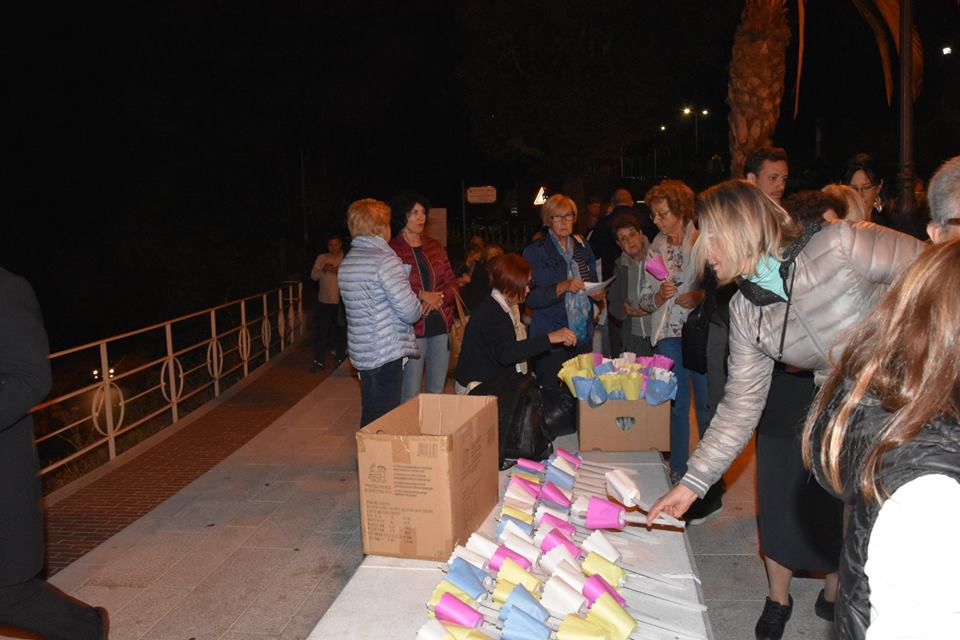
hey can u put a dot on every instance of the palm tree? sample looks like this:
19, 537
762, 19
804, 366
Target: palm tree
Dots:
758, 66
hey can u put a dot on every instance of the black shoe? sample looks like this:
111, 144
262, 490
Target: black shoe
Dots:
317, 366
773, 620
705, 508
824, 608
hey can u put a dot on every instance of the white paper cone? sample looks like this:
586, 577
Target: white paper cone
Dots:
519, 505
553, 558
472, 557
623, 487
519, 496
597, 542
432, 630
521, 546
511, 527
571, 576
560, 599
559, 513
579, 507
563, 465
479, 543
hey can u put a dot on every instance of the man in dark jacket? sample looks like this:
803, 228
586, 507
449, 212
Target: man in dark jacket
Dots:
27, 602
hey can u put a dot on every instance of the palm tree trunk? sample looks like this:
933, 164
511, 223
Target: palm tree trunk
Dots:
757, 72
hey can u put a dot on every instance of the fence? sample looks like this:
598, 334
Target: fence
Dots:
113, 393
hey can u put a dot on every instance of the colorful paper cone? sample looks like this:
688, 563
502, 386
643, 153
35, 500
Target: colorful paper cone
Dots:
450, 609
560, 599
608, 613
603, 514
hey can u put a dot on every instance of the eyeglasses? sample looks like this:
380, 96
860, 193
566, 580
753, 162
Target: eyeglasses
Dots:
566, 217
953, 222
660, 214
866, 187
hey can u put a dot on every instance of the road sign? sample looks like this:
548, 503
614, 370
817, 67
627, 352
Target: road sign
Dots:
482, 195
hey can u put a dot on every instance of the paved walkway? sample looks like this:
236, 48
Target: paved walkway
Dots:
259, 545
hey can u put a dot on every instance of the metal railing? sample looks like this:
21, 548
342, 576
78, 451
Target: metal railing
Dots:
147, 379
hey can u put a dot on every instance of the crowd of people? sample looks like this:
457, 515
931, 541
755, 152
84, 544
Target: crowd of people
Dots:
784, 284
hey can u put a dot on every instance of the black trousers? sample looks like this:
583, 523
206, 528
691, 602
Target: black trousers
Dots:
37, 607
328, 333
380, 390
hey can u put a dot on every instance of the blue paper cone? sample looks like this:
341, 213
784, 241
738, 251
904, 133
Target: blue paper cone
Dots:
526, 528
559, 478
659, 391
524, 600
466, 580
520, 626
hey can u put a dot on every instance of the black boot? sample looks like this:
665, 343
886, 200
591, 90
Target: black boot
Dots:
773, 620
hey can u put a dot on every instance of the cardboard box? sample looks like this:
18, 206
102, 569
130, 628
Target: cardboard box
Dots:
428, 475
647, 427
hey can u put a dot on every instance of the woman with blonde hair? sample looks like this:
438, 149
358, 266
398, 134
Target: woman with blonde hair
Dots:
381, 308
561, 263
854, 204
800, 288
884, 435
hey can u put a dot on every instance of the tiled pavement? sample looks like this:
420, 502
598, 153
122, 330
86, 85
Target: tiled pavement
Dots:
259, 546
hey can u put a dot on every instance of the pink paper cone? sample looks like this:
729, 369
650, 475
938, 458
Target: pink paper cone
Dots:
569, 457
502, 553
532, 489
603, 514
555, 538
553, 521
531, 465
595, 586
449, 609
552, 493
657, 268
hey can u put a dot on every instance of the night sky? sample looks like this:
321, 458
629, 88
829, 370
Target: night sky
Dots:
158, 147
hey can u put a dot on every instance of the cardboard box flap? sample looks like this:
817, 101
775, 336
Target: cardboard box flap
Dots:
444, 414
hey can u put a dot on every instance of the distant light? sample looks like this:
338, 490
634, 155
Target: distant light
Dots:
705, 112
541, 197
663, 127
947, 51
687, 111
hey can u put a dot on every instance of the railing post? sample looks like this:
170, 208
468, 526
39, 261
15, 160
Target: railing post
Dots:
213, 354
107, 399
281, 320
291, 317
244, 339
265, 330
300, 306
171, 378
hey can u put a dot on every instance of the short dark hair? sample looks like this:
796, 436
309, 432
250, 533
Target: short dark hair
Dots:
810, 205
860, 162
510, 273
401, 205
624, 221
757, 157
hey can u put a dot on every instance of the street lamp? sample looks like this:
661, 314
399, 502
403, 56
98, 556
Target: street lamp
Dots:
696, 113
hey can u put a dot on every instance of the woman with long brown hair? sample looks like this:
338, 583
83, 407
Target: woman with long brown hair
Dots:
884, 435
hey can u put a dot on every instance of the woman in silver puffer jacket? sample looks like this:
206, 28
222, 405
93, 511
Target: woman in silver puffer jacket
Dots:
800, 288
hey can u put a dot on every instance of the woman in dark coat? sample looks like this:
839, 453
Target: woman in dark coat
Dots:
495, 342
561, 263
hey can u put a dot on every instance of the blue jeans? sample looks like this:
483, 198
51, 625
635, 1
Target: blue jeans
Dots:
680, 408
380, 390
435, 359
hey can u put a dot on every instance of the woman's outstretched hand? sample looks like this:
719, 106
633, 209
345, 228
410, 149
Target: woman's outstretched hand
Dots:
563, 336
675, 503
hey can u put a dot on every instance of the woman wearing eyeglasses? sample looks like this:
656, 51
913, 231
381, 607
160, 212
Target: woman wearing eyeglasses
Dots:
860, 174
561, 263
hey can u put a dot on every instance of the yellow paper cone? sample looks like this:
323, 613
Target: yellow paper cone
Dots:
611, 382
574, 627
608, 613
464, 633
452, 589
585, 361
512, 572
502, 591
572, 363
595, 563
631, 385
516, 513
566, 374
527, 477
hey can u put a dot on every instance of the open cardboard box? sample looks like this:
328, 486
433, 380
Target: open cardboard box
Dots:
643, 426
428, 475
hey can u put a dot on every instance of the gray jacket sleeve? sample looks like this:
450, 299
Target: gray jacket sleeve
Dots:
877, 253
738, 413
396, 284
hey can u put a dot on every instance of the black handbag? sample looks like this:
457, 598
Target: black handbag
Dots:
521, 421
693, 338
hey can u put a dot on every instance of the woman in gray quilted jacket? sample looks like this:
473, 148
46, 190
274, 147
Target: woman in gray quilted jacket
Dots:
381, 308
800, 288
